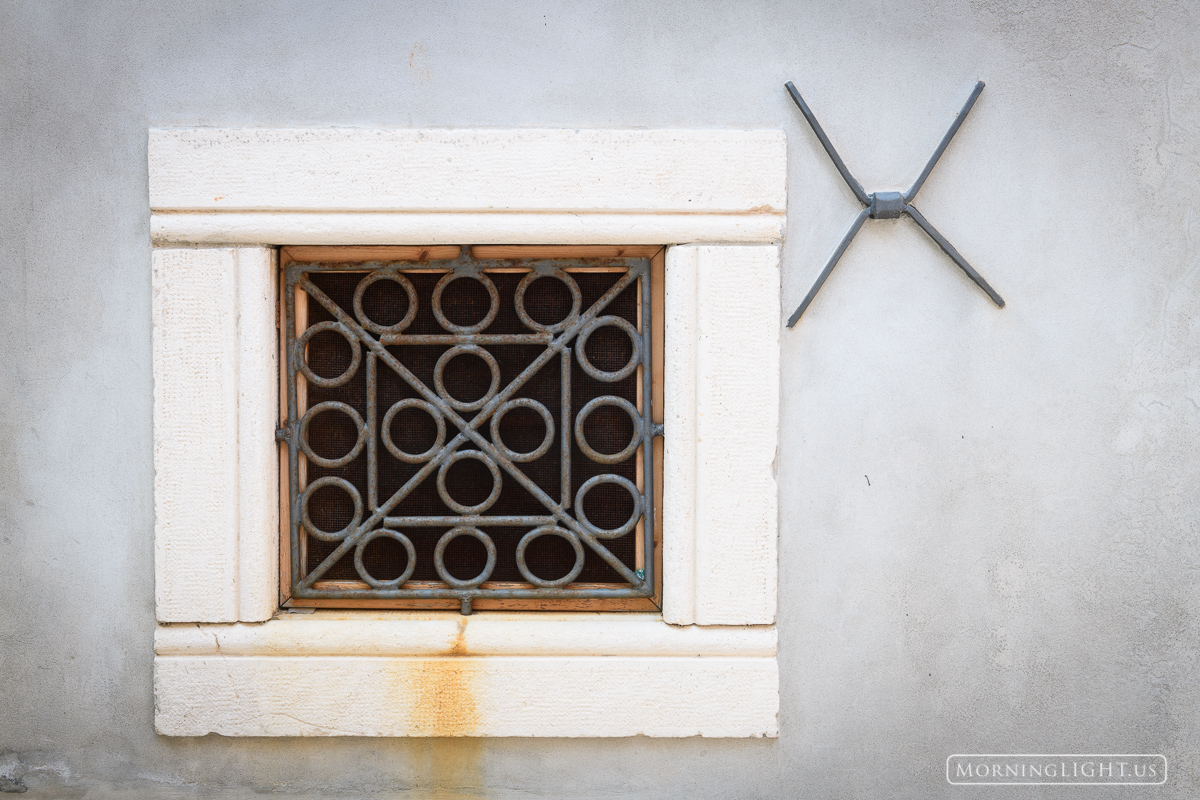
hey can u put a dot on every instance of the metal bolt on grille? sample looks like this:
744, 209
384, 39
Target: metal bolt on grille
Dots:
470, 429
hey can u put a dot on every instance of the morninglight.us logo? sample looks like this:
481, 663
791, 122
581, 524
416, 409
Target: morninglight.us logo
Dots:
1043, 769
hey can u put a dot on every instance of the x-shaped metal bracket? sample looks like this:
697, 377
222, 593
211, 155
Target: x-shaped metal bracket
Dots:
888, 205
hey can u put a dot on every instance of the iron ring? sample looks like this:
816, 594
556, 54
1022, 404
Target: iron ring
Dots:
458, 350
635, 339
576, 301
330, 480
312, 377
332, 405
624, 405
404, 283
395, 583
549, 530
497, 482
439, 554
493, 307
542, 449
428, 408
608, 533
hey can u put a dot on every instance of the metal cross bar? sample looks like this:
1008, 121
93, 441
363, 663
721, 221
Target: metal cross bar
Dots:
888, 205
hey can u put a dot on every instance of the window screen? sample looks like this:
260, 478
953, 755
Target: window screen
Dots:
472, 433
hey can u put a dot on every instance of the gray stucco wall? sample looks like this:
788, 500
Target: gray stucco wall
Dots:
1019, 574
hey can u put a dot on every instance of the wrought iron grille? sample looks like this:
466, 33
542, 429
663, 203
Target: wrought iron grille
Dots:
470, 429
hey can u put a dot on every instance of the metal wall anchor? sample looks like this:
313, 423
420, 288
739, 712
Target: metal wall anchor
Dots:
888, 205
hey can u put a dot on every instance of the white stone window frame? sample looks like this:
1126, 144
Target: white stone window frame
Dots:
227, 661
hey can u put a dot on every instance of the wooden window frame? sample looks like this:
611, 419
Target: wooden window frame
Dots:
420, 253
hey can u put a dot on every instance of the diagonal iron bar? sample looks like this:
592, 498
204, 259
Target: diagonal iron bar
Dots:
888, 205
949, 250
958, 121
850, 180
833, 260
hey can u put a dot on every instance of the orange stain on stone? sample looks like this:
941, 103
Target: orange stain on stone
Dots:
440, 695
440, 692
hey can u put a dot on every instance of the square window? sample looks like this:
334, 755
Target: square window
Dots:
466, 427
224, 201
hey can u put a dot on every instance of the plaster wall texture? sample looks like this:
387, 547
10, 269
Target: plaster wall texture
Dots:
988, 519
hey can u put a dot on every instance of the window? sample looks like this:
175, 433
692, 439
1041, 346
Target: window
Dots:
466, 427
228, 660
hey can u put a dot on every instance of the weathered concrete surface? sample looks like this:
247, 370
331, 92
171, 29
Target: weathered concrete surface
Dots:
1019, 574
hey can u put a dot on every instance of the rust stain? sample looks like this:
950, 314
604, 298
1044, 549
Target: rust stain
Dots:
418, 63
440, 693
459, 646
454, 769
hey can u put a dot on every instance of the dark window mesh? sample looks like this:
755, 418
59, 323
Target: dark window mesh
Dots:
464, 302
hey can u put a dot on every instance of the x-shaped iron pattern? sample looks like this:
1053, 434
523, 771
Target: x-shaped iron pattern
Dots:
557, 520
888, 205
